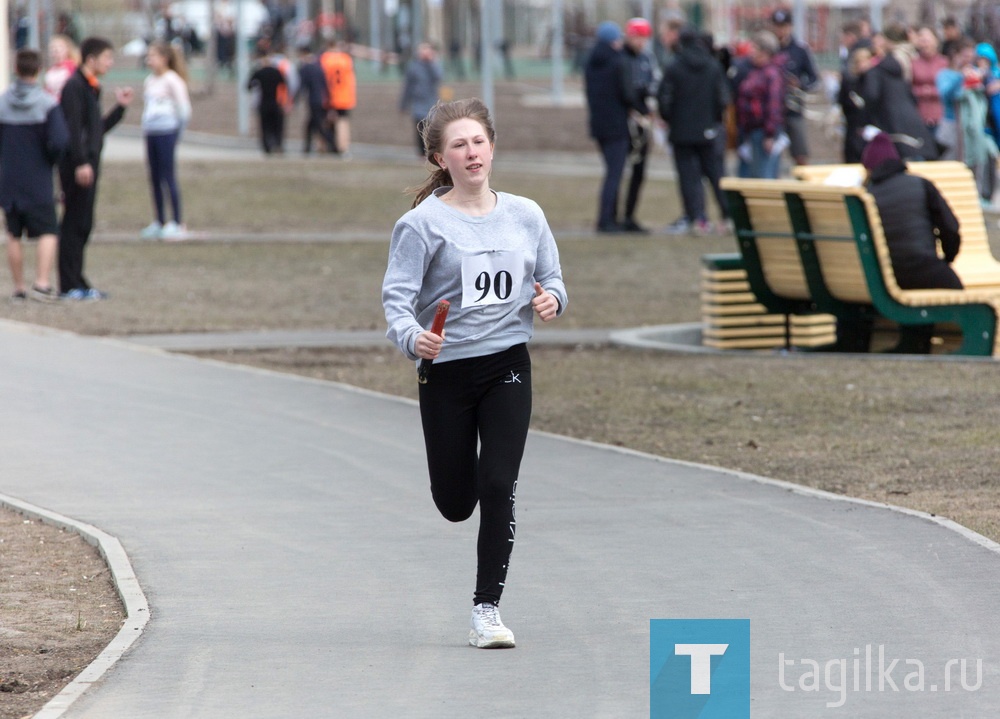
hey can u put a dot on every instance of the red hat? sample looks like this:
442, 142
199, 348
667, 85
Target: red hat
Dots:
878, 151
638, 27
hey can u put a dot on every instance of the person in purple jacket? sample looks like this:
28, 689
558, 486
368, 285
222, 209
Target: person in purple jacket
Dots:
33, 135
760, 111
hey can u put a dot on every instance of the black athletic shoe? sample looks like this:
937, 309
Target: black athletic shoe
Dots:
631, 225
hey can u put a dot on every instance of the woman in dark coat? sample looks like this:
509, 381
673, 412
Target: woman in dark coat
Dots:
853, 105
888, 95
914, 217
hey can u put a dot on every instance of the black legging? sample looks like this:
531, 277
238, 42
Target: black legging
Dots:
482, 402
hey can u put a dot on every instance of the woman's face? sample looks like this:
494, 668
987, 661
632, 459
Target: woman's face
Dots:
927, 42
58, 51
155, 60
466, 153
760, 56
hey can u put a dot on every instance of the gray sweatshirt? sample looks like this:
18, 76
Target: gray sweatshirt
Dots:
486, 267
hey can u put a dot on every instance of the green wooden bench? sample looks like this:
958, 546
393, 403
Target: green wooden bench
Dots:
824, 246
844, 229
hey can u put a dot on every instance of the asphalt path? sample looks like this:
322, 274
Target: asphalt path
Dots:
283, 532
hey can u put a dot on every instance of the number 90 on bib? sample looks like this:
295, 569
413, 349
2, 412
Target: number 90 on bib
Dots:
492, 278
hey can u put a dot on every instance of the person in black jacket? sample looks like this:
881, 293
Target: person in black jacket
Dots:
79, 168
606, 79
692, 97
852, 103
313, 87
269, 83
888, 95
32, 137
914, 217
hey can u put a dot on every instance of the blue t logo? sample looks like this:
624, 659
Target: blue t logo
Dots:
699, 669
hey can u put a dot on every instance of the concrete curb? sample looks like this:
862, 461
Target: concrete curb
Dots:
685, 338
127, 585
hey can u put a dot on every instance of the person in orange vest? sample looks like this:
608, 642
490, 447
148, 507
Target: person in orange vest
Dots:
338, 67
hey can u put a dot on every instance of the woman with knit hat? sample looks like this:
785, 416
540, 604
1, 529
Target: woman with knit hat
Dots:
914, 217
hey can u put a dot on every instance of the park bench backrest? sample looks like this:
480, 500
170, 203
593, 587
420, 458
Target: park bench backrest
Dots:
832, 237
764, 201
975, 263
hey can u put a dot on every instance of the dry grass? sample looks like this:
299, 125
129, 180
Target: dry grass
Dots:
919, 434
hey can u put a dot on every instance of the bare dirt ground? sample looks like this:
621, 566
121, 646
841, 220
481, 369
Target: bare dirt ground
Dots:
58, 610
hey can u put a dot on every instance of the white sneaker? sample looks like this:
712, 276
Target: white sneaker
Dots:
488, 631
173, 231
151, 231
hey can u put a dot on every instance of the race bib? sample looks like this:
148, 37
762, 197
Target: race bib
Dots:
492, 278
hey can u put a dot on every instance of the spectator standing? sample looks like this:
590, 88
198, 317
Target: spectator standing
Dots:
760, 110
32, 137
63, 61
851, 40
338, 66
852, 103
475, 405
312, 87
800, 77
421, 87
79, 168
926, 65
269, 85
915, 218
952, 33
963, 94
640, 81
888, 94
225, 44
986, 60
66, 24
605, 77
692, 96
667, 38
166, 112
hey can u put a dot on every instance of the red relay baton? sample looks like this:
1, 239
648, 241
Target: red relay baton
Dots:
437, 327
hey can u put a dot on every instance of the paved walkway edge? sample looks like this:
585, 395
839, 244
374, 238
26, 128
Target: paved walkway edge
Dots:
944, 522
127, 585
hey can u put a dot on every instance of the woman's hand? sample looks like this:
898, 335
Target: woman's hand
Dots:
545, 303
428, 345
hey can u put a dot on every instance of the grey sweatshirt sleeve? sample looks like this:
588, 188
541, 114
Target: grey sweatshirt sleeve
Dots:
548, 271
408, 258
